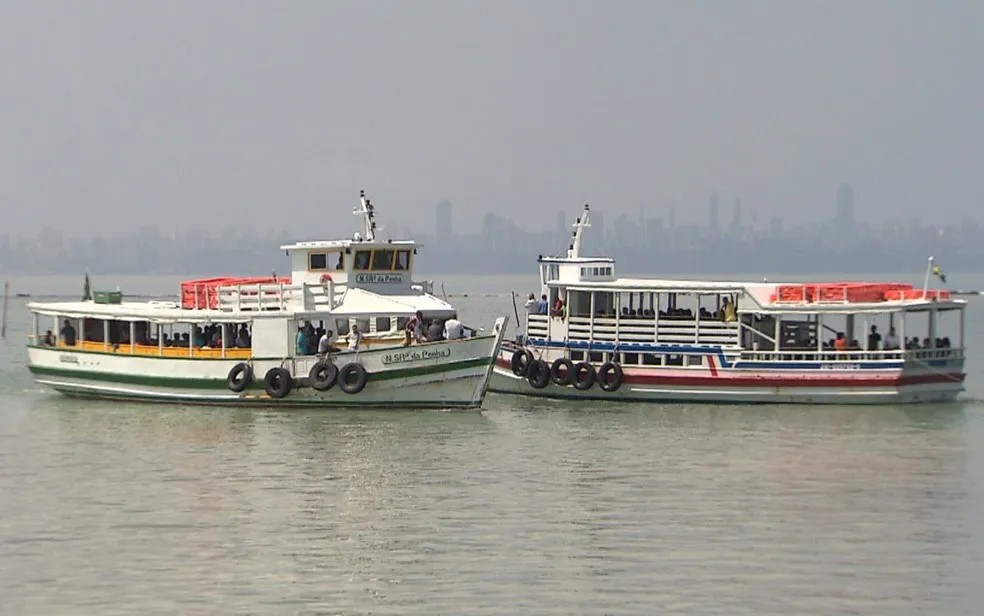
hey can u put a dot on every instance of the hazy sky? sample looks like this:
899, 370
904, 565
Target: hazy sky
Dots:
275, 114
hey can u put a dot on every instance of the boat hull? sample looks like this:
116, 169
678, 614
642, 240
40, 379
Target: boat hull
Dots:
919, 383
448, 374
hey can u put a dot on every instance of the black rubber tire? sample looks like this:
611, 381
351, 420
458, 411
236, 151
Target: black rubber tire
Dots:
584, 376
361, 378
237, 384
565, 378
603, 381
538, 374
323, 375
521, 361
278, 383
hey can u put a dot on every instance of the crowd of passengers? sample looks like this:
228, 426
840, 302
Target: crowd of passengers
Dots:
726, 313
840, 343
208, 337
320, 341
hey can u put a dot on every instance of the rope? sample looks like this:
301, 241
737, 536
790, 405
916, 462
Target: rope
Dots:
936, 370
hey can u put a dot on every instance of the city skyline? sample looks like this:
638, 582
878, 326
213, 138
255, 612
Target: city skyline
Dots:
646, 242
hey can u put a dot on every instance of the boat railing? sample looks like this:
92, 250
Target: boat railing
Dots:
840, 358
270, 296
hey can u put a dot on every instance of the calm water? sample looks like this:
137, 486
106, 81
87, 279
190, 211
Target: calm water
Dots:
525, 508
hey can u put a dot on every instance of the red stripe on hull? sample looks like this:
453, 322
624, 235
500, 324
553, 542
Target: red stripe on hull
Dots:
737, 379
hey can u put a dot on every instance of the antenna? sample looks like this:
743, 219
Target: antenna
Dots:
579, 225
366, 210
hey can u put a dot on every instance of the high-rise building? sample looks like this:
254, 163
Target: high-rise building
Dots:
444, 226
713, 220
845, 207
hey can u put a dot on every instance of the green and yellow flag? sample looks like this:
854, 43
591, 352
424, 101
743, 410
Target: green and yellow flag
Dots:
939, 273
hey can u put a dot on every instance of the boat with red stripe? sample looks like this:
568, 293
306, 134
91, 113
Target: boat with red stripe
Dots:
593, 335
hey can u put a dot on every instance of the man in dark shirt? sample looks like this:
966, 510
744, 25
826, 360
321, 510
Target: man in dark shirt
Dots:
874, 338
435, 331
68, 334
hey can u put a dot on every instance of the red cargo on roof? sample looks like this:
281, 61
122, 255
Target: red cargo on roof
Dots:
203, 293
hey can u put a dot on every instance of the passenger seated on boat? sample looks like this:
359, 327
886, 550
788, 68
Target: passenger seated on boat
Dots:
891, 341
840, 342
531, 304
68, 334
48, 339
302, 343
326, 344
560, 308
435, 331
453, 329
242, 338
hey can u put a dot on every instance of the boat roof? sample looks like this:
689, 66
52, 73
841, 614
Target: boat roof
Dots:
355, 303
307, 245
758, 290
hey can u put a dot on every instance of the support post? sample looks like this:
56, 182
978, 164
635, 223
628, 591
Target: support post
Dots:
3, 317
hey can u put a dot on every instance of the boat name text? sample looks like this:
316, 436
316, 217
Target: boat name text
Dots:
379, 278
416, 355
68, 359
840, 366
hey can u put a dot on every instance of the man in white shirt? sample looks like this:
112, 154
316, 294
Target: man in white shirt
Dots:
453, 329
354, 338
891, 340
325, 345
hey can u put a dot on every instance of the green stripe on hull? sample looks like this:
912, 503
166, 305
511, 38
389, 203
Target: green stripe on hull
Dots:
347, 402
220, 384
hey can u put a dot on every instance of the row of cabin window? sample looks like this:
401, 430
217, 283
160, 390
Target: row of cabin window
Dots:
596, 271
639, 359
380, 260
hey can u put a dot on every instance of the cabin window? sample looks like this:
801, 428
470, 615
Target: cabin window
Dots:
342, 327
317, 261
595, 356
695, 360
382, 260
652, 359
577, 355
383, 324
363, 325
401, 323
362, 258
336, 260
630, 358
402, 260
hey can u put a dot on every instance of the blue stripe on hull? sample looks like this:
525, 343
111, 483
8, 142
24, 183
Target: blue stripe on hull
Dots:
718, 352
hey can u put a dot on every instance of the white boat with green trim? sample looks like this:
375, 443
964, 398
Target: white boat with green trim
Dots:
255, 341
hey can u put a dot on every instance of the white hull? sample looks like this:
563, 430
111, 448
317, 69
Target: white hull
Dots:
447, 374
913, 383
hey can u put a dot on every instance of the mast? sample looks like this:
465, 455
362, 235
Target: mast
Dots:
365, 210
574, 251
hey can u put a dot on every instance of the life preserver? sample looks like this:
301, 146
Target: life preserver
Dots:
521, 361
584, 376
240, 377
361, 377
603, 371
538, 374
277, 382
323, 375
557, 376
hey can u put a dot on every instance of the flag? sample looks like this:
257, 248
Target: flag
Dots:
939, 273
86, 288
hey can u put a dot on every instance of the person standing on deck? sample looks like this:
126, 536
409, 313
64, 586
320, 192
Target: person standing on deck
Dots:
354, 339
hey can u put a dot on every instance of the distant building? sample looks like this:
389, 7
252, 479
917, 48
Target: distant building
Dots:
444, 224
